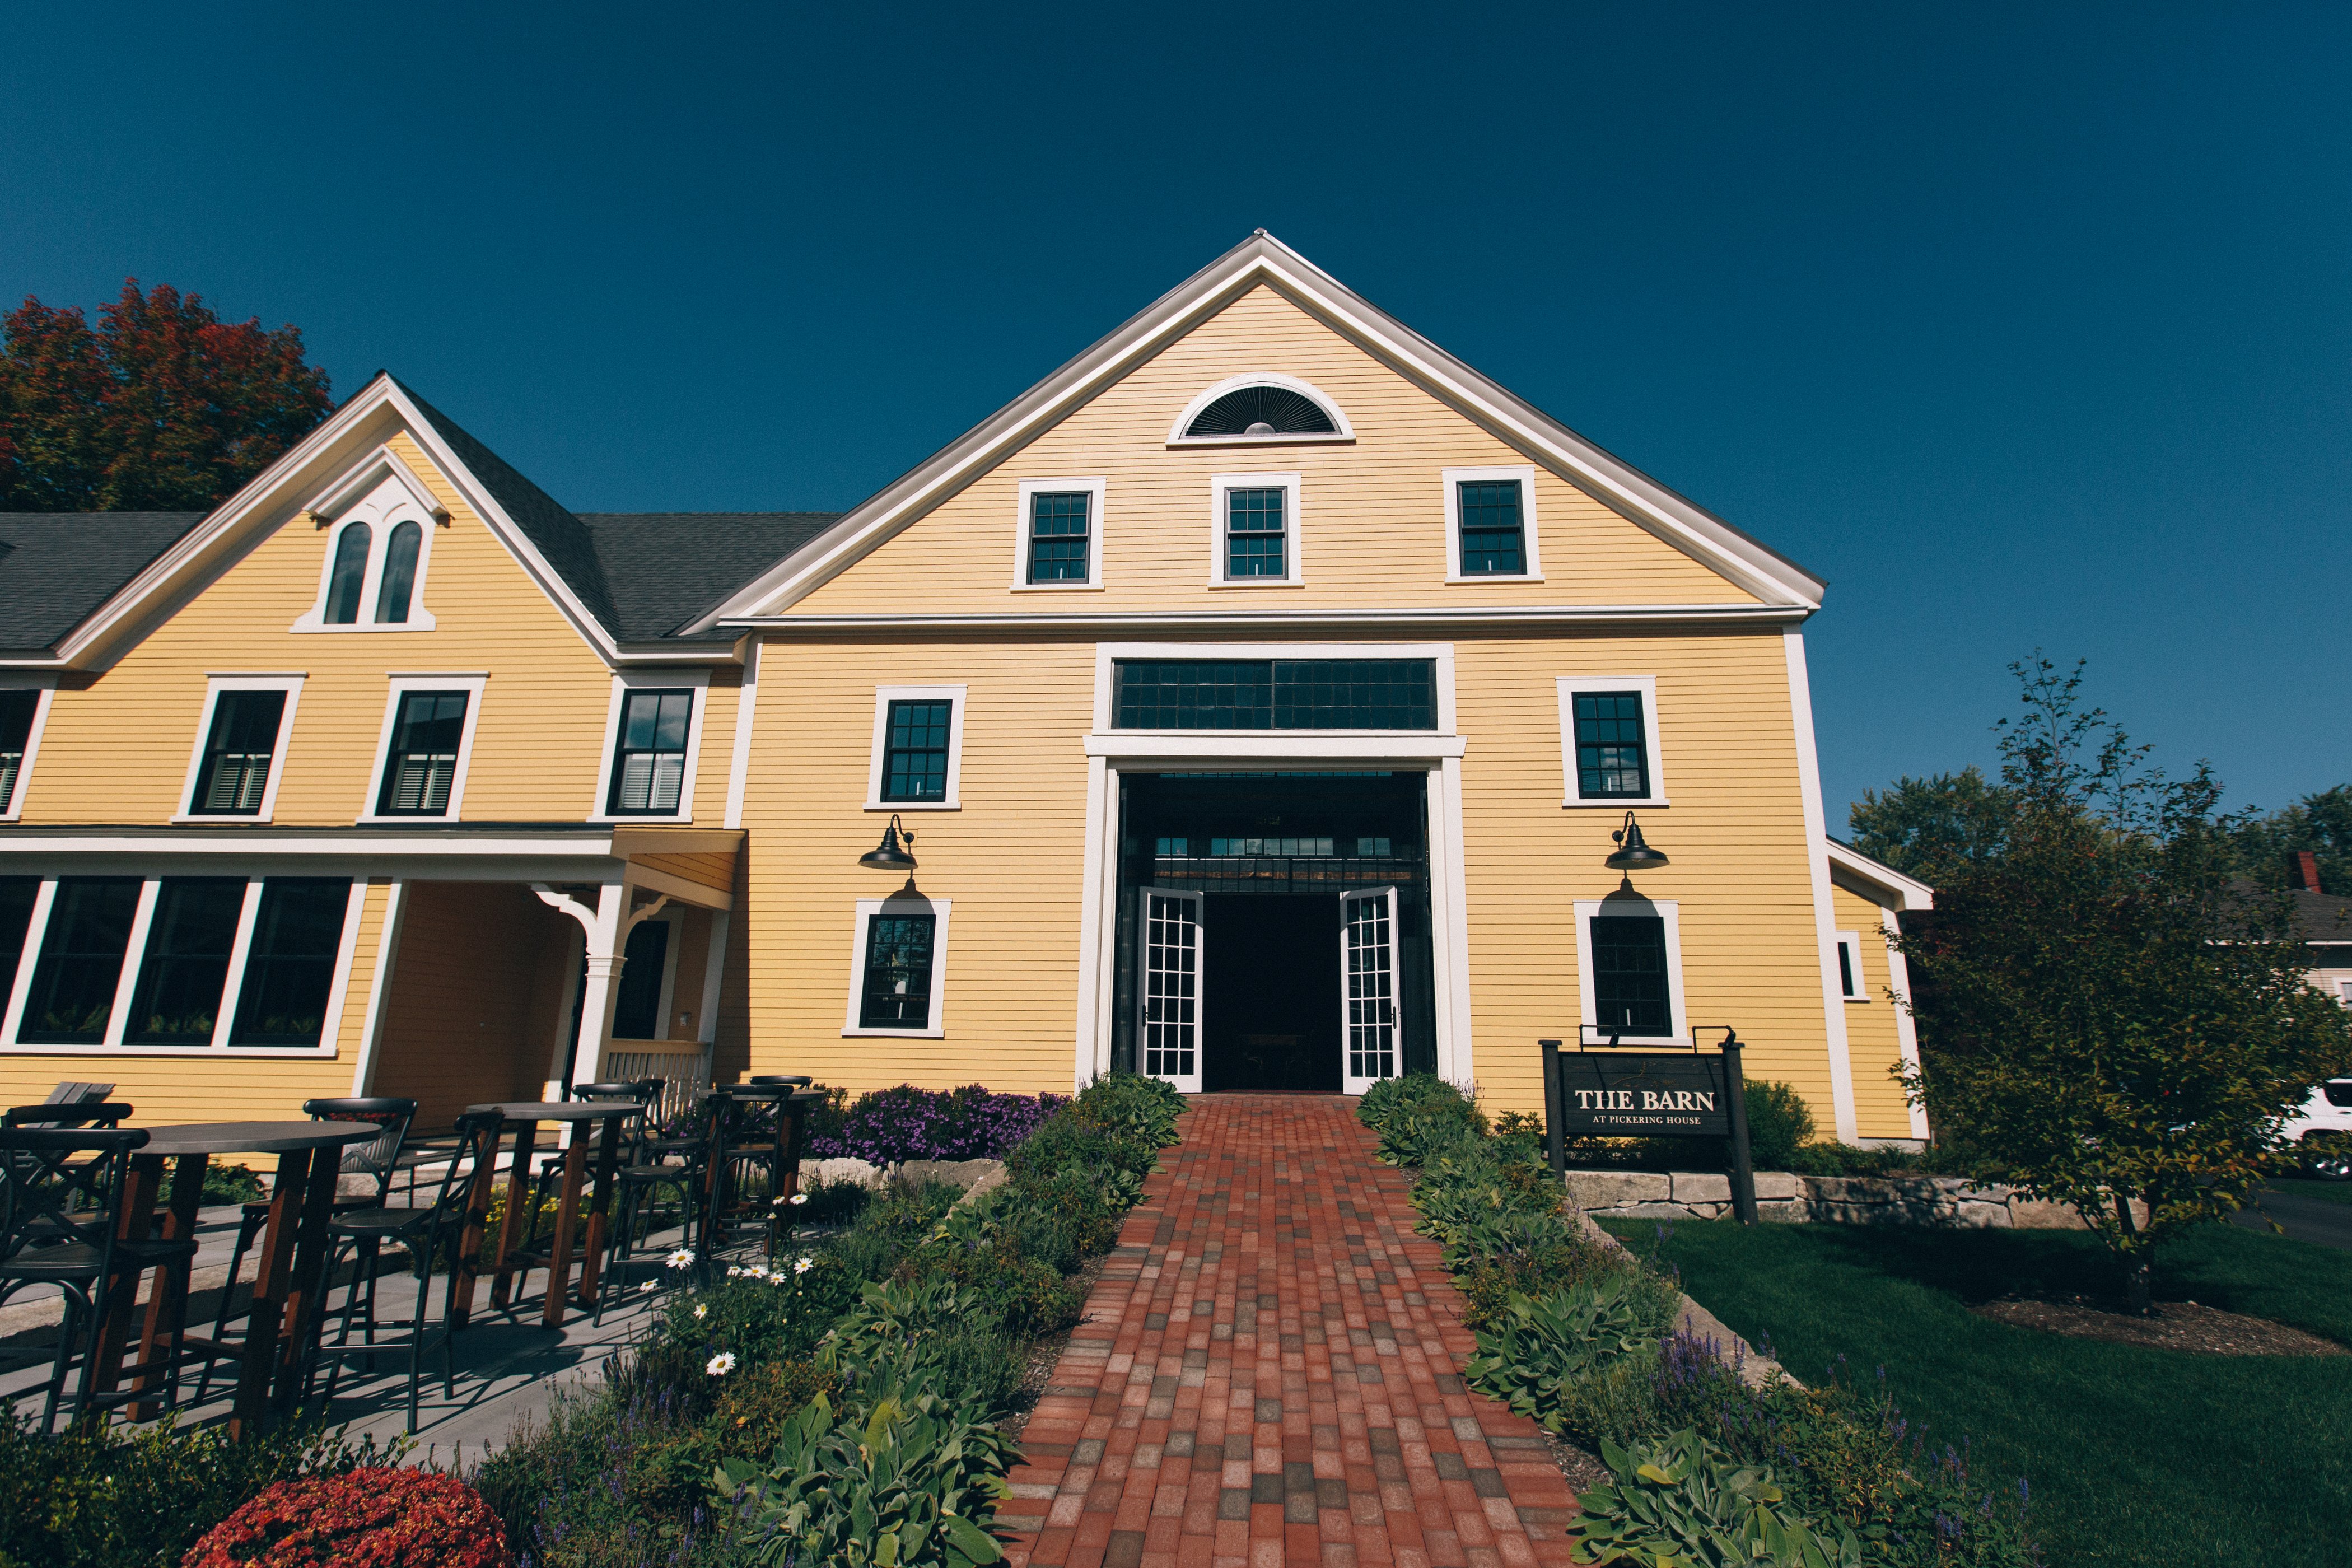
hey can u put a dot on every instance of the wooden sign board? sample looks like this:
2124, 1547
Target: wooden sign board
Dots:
1642, 1094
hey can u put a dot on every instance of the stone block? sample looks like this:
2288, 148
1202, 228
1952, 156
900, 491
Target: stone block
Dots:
835, 1171
2033, 1214
1609, 1189
1701, 1186
1650, 1210
1777, 1185
954, 1172
1781, 1211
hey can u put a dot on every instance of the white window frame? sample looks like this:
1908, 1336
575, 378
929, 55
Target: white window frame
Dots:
1293, 505
624, 682
214, 685
866, 910
134, 954
1342, 430
883, 697
1096, 489
472, 685
1455, 478
13, 808
382, 494
1647, 684
1850, 943
1590, 910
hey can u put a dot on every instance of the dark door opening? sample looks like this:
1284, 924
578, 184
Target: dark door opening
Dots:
1270, 1011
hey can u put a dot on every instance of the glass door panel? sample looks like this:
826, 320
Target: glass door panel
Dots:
1168, 1027
1368, 988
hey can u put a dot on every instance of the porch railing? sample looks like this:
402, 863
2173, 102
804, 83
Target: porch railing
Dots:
683, 1066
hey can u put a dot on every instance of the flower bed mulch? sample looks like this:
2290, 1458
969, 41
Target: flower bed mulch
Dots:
2175, 1326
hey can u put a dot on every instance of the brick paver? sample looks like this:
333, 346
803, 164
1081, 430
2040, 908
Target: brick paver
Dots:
1268, 1372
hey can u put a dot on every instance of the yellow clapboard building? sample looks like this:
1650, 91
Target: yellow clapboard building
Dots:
1251, 702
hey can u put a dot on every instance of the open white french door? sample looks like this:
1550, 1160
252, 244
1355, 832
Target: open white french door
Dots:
1369, 1046
1167, 1002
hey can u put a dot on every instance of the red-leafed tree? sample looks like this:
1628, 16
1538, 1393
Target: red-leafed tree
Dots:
162, 406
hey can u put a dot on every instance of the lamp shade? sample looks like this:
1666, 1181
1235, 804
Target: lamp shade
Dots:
890, 855
1633, 854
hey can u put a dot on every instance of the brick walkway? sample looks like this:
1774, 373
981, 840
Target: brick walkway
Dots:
1268, 1372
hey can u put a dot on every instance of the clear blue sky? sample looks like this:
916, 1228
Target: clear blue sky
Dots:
2026, 326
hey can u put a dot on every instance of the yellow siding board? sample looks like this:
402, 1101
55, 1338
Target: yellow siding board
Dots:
1871, 1041
708, 870
1372, 511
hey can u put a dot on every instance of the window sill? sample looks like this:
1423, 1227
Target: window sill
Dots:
894, 1034
654, 818
418, 621
1500, 577
22, 1049
1258, 583
1617, 803
220, 819
1071, 587
914, 806
1633, 1042
407, 819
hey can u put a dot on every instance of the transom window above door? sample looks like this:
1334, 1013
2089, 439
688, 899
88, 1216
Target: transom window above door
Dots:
1274, 694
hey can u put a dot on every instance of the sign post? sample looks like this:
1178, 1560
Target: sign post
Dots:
1613, 1093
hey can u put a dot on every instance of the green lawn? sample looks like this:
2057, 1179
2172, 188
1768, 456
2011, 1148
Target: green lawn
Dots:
2303, 1187
2135, 1457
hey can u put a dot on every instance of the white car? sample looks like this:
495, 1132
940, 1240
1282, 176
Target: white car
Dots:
2329, 1109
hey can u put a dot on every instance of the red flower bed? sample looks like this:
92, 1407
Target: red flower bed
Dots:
368, 1518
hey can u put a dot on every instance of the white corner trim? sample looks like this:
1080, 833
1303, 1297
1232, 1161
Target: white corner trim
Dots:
472, 685
240, 949
1809, 779
1293, 505
1653, 747
331, 1025
45, 687
381, 496
697, 681
899, 903
134, 958
1449, 924
1670, 910
954, 697
291, 685
1343, 431
1097, 917
1453, 479
1108, 655
747, 706
1096, 490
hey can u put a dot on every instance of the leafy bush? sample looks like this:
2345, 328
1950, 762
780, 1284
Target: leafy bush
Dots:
226, 1183
1132, 1107
1779, 1124
913, 1485
1680, 1501
1417, 1116
1542, 1346
890, 1126
98, 1496
374, 1518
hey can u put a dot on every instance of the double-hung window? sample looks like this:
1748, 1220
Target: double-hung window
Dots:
1059, 547
237, 763
649, 753
1629, 959
1256, 529
420, 766
899, 959
20, 708
1609, 735
915, 755
1490, 524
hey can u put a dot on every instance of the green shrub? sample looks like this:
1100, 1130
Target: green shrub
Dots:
1131, 1107
1778, 1124
911, 1485
1025, 1296
97, 1496
1541, 1346
1681, 1502
226, 1183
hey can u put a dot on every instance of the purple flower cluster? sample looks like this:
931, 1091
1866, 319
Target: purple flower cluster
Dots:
891, 1125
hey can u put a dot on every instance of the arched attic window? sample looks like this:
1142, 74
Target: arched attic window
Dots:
1261, 407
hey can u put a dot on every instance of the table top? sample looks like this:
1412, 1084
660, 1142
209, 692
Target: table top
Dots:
256, 1137
560, 1110
769, 1091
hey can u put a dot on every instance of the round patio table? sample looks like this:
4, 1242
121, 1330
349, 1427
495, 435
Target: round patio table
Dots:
522, 1117
288, 1294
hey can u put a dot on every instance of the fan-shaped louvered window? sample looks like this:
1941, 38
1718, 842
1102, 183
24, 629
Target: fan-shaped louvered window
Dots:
1262, 410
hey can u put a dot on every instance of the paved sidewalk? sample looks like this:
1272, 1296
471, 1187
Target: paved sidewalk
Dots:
1269, 1373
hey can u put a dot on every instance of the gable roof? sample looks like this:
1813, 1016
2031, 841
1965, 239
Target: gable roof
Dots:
1785, 588
664, 569
1903, 890
56, 568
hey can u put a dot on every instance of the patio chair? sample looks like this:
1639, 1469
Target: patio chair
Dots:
644, 1177
431, 1233
50, 1112
61, 1192
371, 1163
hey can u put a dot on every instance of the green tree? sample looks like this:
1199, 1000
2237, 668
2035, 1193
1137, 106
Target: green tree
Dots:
162, 406
2120, 1021
2320, 823
1926, 827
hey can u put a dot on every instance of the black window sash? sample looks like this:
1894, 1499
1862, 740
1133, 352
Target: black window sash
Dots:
233, 778
1493, 528
289, 969
649, 753
1613, 753
1256, 532
16, 896
895, 989
421, 766
1631, 991
71, 999
1274, 694
16, 709
185, 969
916, 734
1060, 529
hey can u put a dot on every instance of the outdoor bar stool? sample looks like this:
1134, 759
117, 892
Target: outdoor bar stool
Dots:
373, 1161
428, 1235
59, 1216
550, 1171
743, 1141
646, 1176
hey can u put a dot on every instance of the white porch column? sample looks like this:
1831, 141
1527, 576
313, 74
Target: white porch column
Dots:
606, 932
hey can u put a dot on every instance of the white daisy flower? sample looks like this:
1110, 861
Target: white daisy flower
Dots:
733, 1272
804, 1265
799, 1198
721, 1365
700, 1310
682, 1258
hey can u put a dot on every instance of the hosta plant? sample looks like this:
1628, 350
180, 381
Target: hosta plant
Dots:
1544, 1345
910, 1486
1680, 1503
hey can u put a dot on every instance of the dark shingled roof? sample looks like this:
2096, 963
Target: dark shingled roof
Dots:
55, 567
665, 568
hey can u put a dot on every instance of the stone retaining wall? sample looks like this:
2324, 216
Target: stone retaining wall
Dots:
1949, 1202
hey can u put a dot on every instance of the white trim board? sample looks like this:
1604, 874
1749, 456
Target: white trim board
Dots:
1809, 778
1530, 552
1653, 746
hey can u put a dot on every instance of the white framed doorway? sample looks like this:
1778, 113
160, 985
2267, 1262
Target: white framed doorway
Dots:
1369, 1045
1168, 992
